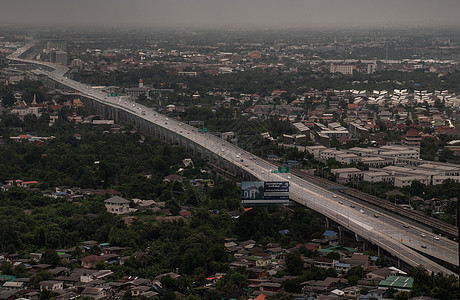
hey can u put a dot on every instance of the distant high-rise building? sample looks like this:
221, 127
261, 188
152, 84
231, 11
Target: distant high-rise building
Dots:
371, 68
342, 68
59, 57
56, 45
77, 63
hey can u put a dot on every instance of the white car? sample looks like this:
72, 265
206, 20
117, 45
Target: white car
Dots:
436, 237
361, 211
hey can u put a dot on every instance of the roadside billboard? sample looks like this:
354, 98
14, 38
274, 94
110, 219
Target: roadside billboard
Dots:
264, 192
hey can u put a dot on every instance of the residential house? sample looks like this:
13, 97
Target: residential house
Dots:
412, 138
402, 283
342, 267
375, 294
380, 274
324, 263
352, 292
51, 285
14, 285
139, 290
94, 293
117, 205
275, 253
89, 262
270, 287
359, 260
328, 284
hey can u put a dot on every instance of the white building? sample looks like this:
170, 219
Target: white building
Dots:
407, 180
51, 285
117, 205
342, 68
348, 175
370, 176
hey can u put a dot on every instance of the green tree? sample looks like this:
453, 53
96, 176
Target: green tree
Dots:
50, 257
401, 296
356, 271
291, 286
422, 282
294, 263
333, 255
38, 277
254, 224
7, 268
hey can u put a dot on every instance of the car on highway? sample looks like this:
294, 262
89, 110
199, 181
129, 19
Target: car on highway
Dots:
423, 246
340, 202
436, 237
376, 215
352, 206
422, 235
406, 225
361, 211
334, 196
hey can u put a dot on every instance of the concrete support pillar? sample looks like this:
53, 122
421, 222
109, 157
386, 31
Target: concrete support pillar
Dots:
365, 245
341, 233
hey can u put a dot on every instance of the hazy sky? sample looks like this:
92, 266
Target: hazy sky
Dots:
231, 12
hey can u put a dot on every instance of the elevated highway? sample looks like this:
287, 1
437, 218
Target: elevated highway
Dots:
412, 244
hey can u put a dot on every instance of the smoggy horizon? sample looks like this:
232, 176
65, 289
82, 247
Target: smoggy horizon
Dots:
234, 13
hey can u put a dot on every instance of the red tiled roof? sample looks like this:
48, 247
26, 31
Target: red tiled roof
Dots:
260, 297
30, 182
412, 132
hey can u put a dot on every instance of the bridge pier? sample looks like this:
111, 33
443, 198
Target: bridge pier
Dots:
341, 233
365, 245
